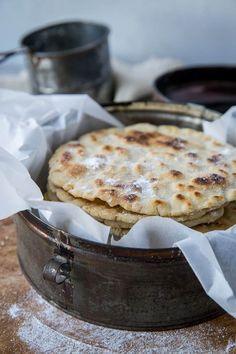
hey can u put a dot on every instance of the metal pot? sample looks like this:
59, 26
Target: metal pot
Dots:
71, 57
125, 288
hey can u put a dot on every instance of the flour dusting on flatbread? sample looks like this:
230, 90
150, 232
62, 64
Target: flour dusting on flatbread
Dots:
148, 170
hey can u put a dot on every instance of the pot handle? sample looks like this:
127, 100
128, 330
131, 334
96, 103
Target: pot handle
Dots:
57, 270
9, 53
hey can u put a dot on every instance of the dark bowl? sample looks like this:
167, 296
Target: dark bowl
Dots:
211, 86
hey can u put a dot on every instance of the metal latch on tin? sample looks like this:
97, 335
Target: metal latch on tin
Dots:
57, 270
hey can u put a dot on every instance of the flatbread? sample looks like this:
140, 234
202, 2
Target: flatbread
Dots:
148, 170
98, 209
118, 233
118, 217
223, 223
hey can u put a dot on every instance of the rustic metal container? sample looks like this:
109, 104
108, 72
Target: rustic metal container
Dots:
125, 288
70, 57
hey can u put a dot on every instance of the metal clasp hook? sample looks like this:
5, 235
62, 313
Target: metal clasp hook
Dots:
57, 270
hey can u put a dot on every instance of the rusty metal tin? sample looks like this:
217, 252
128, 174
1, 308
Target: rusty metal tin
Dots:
112, 286
70, 57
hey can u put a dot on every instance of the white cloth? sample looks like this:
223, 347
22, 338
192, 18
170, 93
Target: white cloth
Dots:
135, 81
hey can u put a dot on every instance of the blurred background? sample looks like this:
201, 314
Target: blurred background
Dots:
199, 31
148, 38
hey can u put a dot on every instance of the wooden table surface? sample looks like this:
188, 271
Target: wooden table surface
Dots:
31, 325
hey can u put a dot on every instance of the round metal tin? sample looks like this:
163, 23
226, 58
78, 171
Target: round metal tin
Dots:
126, 288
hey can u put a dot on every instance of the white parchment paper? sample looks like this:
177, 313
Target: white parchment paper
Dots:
33, 126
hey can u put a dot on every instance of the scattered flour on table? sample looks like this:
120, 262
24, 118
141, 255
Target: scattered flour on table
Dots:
44, 339
46, 329
231, 347
15, 311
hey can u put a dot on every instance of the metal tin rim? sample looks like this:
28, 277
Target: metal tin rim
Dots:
77, 50
45, 230
195, 110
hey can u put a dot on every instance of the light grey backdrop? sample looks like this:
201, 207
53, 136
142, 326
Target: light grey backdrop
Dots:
195, 31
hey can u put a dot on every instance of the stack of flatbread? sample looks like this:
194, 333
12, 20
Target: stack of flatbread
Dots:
121, 175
